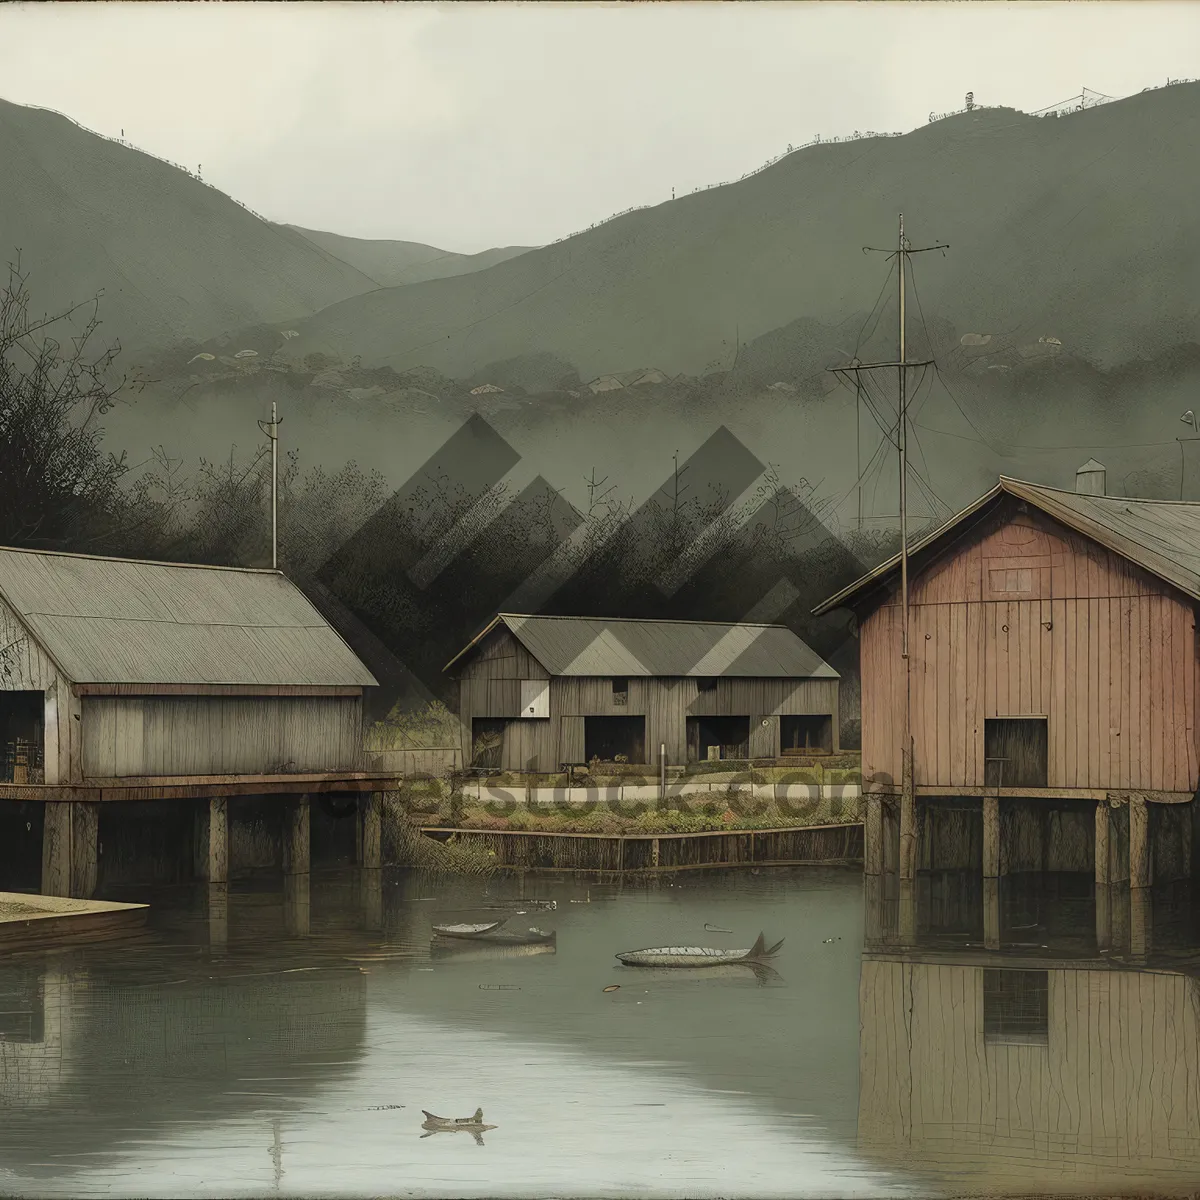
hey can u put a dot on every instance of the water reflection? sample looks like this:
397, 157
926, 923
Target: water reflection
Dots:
1041, 1034
233, 1055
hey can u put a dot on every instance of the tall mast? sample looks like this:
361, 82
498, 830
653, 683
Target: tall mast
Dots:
275, 465
908, 811
908, 841
271, 429
902, 446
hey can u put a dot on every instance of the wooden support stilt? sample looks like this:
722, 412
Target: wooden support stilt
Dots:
1103, 873
70, 849
218, 840
908, 821
1139, 842
991, 837
297, 865
370, 817
873, 836
991, 912
297, 837
1104, 916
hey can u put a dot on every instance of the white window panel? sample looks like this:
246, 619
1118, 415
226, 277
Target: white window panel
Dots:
535, 697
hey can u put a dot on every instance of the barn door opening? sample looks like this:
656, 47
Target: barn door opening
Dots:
718, 737
1016, 752
806, 735
22, 736
615, 739
487, 742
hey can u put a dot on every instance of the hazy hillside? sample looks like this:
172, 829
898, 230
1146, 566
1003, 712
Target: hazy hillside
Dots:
1081, 228
393, 264
176, 259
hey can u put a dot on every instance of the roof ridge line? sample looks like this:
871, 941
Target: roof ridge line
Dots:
1043, 487
646, 620
141, 562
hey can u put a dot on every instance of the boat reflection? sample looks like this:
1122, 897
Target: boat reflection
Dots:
462, 950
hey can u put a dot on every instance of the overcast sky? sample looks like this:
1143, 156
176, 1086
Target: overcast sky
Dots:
474, 125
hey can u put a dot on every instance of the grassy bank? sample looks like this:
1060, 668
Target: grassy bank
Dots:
714, 812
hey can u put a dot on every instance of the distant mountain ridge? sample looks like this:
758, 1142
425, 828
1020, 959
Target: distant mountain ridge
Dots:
176, 259
1080, 228
394, 264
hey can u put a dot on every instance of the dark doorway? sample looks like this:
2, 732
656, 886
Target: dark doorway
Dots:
1016, 1006
22, 741
1015, 752
615, 739
487, 742
21, 826
950, 869
730, 736
806, 735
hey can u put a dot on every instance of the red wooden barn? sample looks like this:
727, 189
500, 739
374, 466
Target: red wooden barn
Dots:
1053, 678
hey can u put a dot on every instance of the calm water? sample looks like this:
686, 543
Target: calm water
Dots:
230, 1060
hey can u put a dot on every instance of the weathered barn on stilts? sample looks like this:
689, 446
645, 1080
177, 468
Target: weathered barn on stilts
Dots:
539, 693
1053, 679
126, 682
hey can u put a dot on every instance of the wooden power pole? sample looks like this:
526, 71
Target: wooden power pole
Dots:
902, 365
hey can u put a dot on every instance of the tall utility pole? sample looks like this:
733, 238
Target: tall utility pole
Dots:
858, 444
271, 429
908, 831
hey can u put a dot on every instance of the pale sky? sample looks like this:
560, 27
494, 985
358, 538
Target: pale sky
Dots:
474, 125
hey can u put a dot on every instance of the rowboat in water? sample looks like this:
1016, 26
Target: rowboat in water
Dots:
501, 937
698, 956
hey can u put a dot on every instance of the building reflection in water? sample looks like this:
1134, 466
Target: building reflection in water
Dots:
1033, 1031
104, 1044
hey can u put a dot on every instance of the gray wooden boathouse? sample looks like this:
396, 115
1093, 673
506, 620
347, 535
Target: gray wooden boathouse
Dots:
126, 680
537, 693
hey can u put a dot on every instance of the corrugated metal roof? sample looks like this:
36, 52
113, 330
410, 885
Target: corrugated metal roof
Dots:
619, 646
1160, 536
111, 620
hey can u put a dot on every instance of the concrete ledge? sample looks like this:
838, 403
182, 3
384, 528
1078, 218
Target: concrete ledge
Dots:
30, 922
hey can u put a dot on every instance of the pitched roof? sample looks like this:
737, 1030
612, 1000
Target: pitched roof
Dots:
115, 620
624, 646
1160, 536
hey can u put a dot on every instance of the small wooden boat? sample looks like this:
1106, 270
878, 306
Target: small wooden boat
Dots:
698, 956
474, 1125
507, 937
468, 929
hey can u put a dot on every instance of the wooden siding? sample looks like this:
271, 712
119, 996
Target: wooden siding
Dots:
536, 744
211, 735
26, 667
1105, 652
1113, 1091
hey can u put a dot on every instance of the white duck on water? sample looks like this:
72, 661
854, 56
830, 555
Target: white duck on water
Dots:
698, 956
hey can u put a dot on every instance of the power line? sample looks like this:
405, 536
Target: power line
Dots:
1048, 449
878, 316
937, 369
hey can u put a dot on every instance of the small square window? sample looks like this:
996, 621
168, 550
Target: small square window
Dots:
1016, 1006
620, 691
706, 683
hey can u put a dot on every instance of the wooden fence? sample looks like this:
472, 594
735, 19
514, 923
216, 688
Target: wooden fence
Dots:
529, 850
